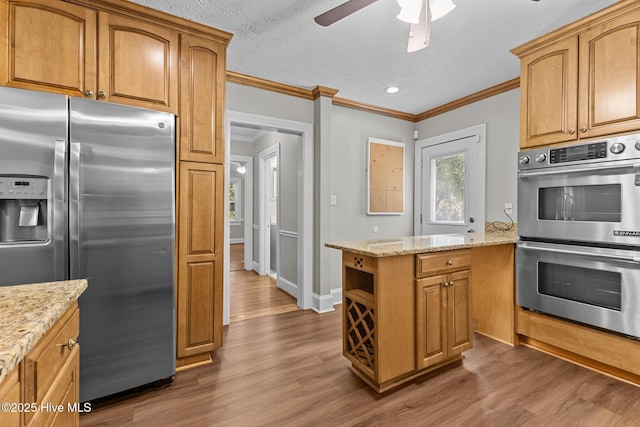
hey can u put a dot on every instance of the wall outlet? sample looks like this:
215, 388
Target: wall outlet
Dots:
334, 200
508, 208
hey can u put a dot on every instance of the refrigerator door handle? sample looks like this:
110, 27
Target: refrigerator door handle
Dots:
74, 210
58, 230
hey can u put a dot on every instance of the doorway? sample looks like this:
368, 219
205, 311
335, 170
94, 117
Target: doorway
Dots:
269, 251
450, 182
297, 241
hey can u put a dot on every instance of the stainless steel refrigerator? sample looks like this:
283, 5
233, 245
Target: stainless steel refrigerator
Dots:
87, 190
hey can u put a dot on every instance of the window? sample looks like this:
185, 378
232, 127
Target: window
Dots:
448, 188
235, 200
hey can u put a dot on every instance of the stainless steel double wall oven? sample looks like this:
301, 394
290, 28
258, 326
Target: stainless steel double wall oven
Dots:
578, 252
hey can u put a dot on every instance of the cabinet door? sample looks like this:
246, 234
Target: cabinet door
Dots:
609, 77
201, 226
138, 63
202, 82
10, 393
459, 332
51, 46
430, 321
548, 98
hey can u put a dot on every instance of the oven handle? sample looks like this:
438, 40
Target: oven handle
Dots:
595, 169
634, 259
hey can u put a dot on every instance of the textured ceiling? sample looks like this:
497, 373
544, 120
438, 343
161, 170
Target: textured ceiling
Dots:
364, 53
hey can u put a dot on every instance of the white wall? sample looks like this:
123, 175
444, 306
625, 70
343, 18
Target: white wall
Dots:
501, 113
252, 100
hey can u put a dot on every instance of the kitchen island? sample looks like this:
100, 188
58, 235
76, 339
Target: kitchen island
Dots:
408, 302
39, 366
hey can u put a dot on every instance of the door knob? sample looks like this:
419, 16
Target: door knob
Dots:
571, 131
101, 94
472, 220
583, 129
88, 93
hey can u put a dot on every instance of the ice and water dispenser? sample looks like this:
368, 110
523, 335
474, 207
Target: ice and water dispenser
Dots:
23, 209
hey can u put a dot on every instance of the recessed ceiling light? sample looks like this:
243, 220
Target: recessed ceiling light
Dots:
392, 89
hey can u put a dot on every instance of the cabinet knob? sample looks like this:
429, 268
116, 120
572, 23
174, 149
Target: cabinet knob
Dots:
583, 129
571, 131
449, 262
102, 95
70, 344
88, 93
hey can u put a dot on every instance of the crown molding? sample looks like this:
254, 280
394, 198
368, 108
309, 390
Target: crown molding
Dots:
470, 99
319, 91
243, 79
356, 105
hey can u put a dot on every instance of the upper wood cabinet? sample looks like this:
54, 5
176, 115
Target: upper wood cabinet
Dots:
202, 82
138, 63
549, 80
51, 46
583, 80
72, 49
609, 73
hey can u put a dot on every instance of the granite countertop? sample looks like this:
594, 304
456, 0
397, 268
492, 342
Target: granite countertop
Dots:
423, 244
27, 312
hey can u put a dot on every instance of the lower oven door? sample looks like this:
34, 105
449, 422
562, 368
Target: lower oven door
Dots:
596, 286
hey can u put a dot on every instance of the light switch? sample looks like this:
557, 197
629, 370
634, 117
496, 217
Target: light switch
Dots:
333, 200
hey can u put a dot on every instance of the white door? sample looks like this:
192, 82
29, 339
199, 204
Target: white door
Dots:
450, 182
268, 210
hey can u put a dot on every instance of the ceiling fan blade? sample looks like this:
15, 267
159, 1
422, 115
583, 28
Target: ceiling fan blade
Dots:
342, 11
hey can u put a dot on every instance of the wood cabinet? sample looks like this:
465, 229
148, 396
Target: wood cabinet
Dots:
10, 393
583, 80
443, 307
66, 48
45, 386
405, 315
378, 318
50, 46
200, 261
138, 63
202, 104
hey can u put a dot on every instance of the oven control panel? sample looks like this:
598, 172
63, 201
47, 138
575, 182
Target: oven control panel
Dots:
612, 149
597, 150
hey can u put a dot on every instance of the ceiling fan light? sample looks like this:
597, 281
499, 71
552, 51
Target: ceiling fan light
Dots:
439, 8
410, 11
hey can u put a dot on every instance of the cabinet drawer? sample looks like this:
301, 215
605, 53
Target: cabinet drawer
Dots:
442, 262
43, 363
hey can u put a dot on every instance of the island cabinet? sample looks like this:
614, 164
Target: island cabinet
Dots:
443, 306
582, 80
399, 324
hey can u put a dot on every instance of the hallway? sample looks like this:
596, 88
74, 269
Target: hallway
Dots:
252, 295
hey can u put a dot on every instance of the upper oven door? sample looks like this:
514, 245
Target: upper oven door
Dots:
596, 286
591, 203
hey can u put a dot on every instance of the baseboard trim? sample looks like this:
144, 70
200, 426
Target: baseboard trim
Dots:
255, 266
288, 286
322, 303
336, 294
236, 241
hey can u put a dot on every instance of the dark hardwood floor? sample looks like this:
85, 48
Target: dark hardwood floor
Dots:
288, 370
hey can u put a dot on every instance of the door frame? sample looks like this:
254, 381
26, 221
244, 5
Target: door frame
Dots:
479, 132
305, 201
264, 253
247, 203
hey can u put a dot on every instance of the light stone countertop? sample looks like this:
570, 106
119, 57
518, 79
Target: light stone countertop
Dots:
27, 312
423, 244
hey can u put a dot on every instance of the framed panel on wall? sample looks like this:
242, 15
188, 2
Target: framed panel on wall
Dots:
385, 177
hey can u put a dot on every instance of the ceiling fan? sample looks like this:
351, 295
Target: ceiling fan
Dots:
419, 13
